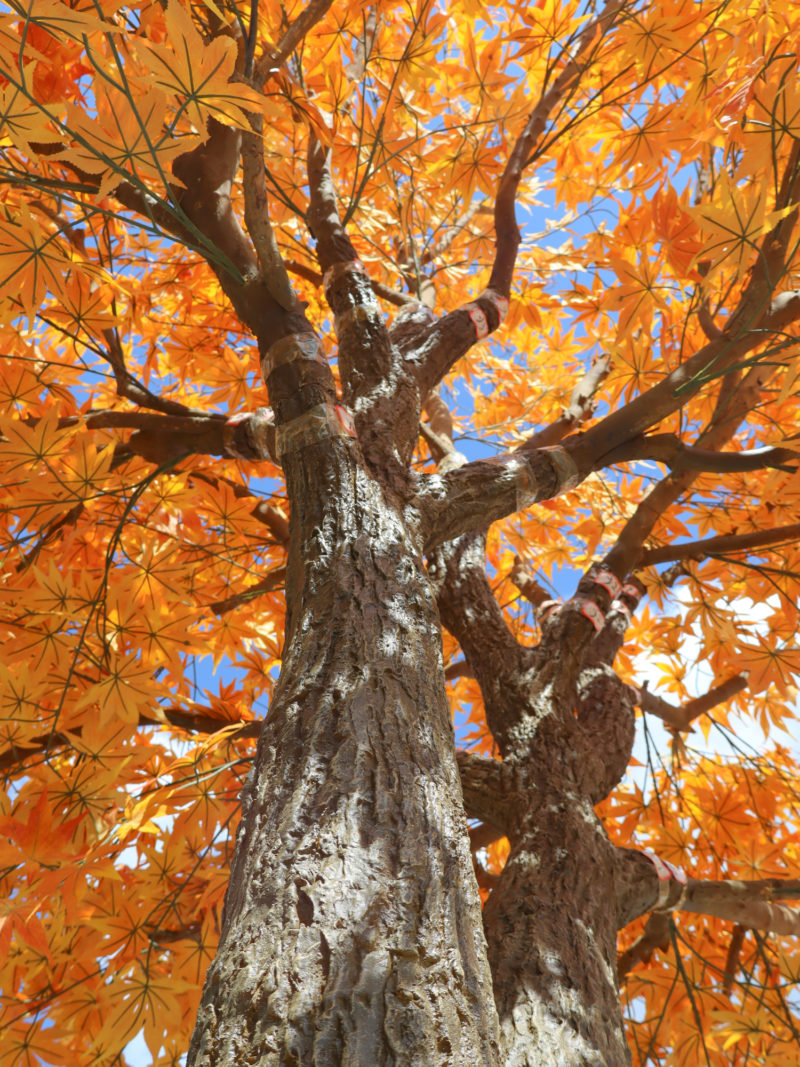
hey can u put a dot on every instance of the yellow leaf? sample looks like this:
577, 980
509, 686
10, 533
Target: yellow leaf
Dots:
27, 445
199, 74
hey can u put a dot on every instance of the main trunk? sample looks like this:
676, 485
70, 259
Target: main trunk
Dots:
352, 931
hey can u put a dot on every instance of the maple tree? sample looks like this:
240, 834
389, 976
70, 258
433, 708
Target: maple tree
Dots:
324, 322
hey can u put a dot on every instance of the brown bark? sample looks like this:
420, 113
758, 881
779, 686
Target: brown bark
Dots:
351, 932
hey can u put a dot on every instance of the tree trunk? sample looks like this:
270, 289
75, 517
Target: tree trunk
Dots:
551, 923
352, 930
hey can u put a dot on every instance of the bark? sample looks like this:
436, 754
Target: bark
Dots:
551, 919
352, 929
551, 927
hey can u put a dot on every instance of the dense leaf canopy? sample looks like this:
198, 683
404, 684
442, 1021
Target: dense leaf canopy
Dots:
141, 604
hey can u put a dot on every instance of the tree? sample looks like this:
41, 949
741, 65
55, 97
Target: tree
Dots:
268, 271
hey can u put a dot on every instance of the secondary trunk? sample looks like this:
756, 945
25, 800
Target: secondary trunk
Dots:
551, 923
352, 929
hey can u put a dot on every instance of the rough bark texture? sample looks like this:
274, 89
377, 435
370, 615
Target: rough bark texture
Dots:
566, 733
551, 927
352, 930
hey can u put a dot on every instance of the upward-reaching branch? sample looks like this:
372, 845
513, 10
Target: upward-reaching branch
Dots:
448, 339
505, 215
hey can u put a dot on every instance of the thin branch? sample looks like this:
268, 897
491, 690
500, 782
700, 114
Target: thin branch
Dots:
732, 959
656, 935
730, 408
256, 216
505, 217
273, 581
580, 408
747, 328
681, 718
273, 59
203, 721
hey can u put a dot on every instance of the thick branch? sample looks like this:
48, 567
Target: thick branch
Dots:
725, 544
366, 357
159, 438
477, 494
751, 904
669, 449
208, 173
491, 791
470, 612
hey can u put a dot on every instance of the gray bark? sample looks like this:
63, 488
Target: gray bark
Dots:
352, 928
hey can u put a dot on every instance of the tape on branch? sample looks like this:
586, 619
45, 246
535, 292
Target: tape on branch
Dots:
341, 270
479, 321
547, 607
565, 467
590, 611
259, 433
621, 608
228, 435
478, 315
500, 302
320, 422
290, 349
667, 873
356, 314
525, 482
609, 582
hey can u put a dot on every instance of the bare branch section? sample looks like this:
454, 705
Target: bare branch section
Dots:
725, 544
366, 357
668, 449
681, 718
751, 904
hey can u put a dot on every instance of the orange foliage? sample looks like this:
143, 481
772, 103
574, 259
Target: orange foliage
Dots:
123, 753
